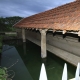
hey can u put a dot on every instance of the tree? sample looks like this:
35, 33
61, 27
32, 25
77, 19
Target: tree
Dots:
7, 23
2, 24
12, 20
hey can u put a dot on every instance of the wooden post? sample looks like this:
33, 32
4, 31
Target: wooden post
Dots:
43, 44
79, 33
23, 35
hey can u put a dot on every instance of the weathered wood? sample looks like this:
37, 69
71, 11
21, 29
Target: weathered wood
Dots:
79, 33
64, 31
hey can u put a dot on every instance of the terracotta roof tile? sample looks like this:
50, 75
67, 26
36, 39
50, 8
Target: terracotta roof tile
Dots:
65, 17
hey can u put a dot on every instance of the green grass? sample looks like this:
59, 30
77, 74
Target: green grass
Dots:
54, 65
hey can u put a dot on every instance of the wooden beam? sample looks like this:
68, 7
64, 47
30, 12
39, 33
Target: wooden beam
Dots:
64, 31
79, 33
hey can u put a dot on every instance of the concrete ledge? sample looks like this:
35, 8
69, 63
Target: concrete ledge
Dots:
69, 57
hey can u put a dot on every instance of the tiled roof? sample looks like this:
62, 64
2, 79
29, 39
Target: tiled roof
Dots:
65, 17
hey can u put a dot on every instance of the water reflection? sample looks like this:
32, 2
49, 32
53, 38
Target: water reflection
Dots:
24, 48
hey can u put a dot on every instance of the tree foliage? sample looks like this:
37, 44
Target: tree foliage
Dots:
7, 23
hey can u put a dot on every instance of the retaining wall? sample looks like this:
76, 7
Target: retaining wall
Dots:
67, 48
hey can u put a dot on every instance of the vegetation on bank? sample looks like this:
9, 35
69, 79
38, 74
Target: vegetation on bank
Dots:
6, 24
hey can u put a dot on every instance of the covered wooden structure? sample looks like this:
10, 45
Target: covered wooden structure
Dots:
65, 19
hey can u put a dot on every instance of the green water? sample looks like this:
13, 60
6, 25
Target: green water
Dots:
30, 54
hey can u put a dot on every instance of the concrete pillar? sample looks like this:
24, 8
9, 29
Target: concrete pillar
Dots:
43, 44
23, 35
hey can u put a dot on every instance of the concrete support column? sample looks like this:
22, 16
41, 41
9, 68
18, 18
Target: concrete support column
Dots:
43, 44
23, 35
